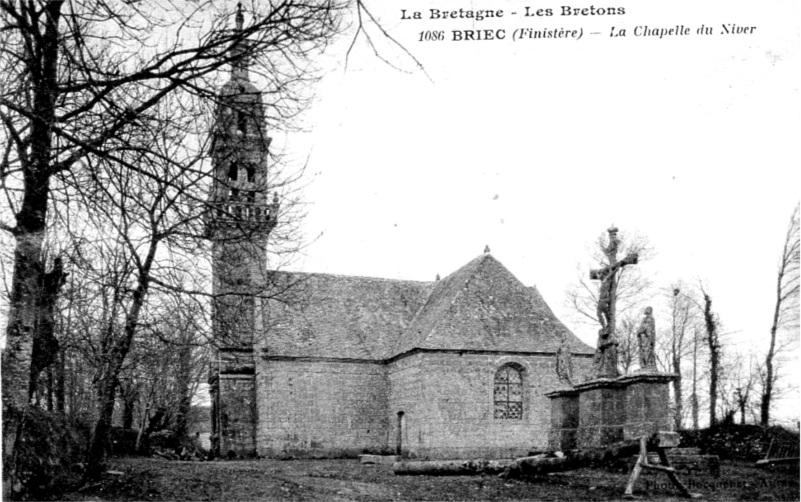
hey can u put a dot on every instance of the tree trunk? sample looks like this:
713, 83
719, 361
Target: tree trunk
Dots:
714, 358
767, 390
457, 467
742, 413
50, 385
714, 373
106, 387
787, 290
97, 446
17, 356
107, 382
60, 387
128, 404
41, 61
677, 394
694, 397
184, 382
129, 394
45, 345
141, 434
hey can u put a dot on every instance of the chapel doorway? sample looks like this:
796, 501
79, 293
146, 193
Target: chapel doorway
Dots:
401, 432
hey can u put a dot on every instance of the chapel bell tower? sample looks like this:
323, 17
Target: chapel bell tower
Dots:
241, 218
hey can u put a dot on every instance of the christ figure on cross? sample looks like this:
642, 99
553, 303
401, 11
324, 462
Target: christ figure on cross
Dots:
605, 361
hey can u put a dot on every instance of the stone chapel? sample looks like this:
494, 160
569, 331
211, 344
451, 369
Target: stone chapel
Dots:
319, 365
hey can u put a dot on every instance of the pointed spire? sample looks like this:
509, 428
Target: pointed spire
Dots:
240, 17
486, 249
240, 63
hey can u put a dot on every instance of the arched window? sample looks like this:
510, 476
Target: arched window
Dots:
233, 171
508, 393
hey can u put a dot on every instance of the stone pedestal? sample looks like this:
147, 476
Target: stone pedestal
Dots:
564, 419
603, 411
647, 399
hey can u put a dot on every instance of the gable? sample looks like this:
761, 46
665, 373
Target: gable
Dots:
482, 306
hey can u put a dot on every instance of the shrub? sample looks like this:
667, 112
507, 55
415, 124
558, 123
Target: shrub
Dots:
123, 441
735, 442
49, 455
165, 439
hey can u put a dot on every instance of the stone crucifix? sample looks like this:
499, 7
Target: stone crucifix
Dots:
605, 361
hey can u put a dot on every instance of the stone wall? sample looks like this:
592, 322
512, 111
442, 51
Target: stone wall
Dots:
321, 408
447, 402
237, 414
407, 398
441, 403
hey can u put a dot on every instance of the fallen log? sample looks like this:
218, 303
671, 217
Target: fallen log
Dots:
526, 466
561, 461
534, 465
539, 465
450, 467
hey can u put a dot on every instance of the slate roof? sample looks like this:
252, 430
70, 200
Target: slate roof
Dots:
481, 306
341, 316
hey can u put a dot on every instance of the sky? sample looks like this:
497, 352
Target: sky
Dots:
536, 147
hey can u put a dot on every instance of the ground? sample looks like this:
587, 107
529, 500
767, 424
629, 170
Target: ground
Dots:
341, 480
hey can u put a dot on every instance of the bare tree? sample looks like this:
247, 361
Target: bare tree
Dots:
682, 333
785, 314
697, 347
80, 82
627, 338
677, 342
165, 365
80, 79
711, 324
741, 379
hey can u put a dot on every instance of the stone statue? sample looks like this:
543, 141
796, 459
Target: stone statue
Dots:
605, 361
646, 335
564, 364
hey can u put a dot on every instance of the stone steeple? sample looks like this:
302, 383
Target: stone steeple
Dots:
242, 215
240, 148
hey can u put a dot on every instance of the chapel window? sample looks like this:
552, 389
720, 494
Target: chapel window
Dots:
233, 171
509, 393
242, 122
